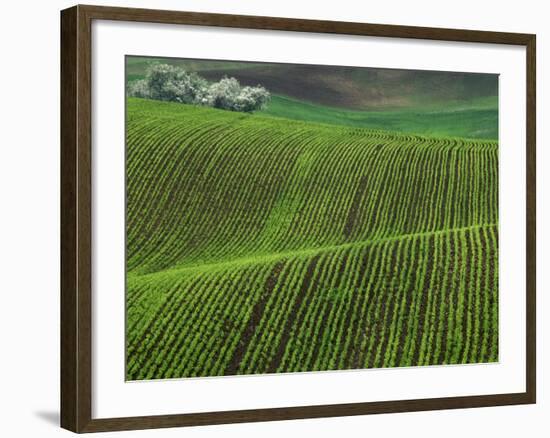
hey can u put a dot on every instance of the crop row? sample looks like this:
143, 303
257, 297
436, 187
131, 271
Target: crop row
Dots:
259, 245
202, 188
418, 300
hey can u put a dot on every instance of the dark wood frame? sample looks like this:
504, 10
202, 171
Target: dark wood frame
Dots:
76, 218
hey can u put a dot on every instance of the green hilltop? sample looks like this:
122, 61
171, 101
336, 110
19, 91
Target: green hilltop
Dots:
423, 102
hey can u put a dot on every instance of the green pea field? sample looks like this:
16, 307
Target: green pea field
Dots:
259, 243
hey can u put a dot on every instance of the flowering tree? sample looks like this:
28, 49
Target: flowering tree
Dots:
224, 93
173, 84
252, 99
139, 88
228, 94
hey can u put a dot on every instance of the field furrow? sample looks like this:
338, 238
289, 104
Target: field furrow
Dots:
264, 245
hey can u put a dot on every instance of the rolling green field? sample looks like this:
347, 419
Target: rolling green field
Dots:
446, 104
476, 118
257, 244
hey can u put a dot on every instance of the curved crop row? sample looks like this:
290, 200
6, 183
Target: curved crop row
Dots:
262, 245
393, 302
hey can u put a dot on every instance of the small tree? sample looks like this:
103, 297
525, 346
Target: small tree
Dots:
173, 84
228, 94
252, 99
139, 88
224, 93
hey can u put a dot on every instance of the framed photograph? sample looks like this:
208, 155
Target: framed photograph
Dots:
270, 218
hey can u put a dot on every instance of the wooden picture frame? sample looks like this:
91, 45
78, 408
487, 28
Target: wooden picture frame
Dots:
76, 218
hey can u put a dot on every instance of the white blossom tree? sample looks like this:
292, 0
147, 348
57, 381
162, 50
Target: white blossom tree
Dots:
173, 84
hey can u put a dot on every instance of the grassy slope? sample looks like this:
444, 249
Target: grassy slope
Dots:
340, 86
259, 234
423, 102
477, 118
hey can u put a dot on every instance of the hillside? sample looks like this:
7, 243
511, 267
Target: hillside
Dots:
339, 86
263, 233
477, 118
423, 102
